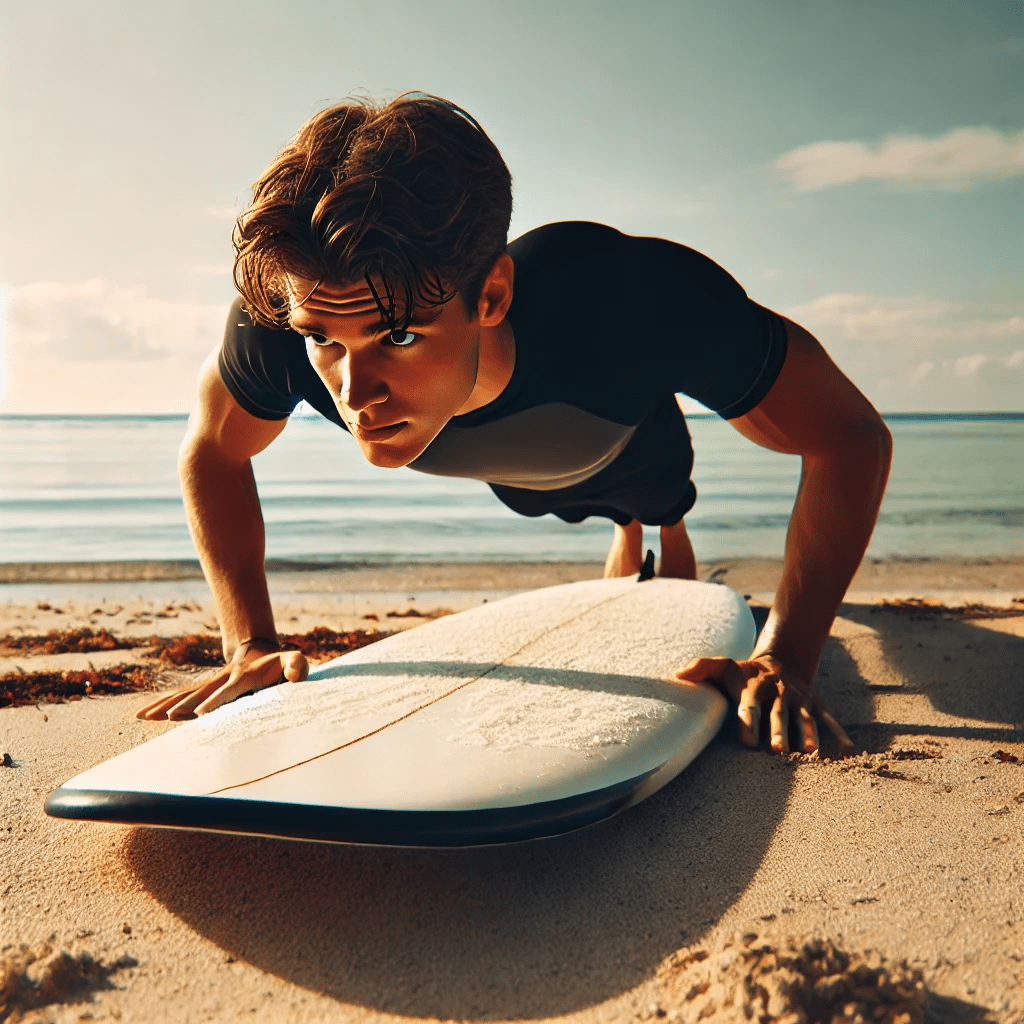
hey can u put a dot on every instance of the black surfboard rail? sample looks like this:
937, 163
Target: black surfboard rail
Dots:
493, 826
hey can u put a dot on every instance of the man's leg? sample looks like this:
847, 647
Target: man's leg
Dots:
677, 558
624, 557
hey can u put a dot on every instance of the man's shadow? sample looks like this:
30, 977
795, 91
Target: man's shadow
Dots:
534, 929
964, 669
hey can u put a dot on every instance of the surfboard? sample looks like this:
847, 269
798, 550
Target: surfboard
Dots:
523, 718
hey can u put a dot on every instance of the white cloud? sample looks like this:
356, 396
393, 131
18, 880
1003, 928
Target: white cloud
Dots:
968, 366
960, 159
920, 353
89, 347
915, 319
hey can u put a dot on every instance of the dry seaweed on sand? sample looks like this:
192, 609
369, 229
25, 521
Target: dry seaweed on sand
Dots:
18, 689
66, 641
197, 650
929, 607
203, 650
816, 983
321, 642
192, 651
415, 613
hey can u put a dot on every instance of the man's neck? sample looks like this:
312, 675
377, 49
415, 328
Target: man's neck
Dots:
497, 360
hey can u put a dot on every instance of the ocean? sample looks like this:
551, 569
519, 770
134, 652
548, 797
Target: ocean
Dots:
105, 489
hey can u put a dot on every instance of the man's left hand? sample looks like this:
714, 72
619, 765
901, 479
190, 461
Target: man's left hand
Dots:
764, 683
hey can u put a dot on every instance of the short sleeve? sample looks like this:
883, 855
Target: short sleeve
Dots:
267, 371
710, 340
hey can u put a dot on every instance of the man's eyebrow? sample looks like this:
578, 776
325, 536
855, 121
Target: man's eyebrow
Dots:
371, 330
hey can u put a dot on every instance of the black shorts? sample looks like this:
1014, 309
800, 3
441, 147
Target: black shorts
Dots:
649, 481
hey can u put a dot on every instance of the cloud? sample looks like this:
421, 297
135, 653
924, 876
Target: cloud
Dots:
921, 353
916, 319
960, 159
92, 347
212, 269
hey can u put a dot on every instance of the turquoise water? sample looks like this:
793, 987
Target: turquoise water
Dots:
98, 489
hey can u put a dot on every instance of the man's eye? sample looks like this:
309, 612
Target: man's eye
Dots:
319, 339
402, 339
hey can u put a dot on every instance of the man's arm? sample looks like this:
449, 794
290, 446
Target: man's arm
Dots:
813, 411
227, 528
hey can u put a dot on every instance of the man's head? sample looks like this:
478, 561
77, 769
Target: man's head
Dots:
411, 194
379, 233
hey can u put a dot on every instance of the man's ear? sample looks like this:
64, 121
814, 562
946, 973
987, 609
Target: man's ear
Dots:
496, 293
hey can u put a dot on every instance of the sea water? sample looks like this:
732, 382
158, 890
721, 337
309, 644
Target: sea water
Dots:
106, 489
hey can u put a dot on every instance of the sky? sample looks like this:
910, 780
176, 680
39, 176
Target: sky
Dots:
857, 167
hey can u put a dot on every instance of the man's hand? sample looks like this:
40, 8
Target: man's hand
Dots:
765, 683
250, 669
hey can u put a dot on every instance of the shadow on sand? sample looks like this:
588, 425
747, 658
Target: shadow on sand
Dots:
549, 927
965, 670
530, 930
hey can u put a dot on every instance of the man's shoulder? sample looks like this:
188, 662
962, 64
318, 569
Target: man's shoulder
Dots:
562, 238
587, 249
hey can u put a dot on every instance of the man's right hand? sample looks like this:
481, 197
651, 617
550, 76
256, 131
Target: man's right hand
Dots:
250, 669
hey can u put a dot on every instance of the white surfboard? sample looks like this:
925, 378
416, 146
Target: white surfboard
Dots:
527, 717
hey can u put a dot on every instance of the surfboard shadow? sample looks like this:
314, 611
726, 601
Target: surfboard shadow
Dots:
569, 679
523, 931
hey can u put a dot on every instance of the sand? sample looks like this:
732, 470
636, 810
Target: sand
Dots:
752, 885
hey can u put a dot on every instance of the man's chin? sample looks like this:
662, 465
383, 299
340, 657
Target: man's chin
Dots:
389, 456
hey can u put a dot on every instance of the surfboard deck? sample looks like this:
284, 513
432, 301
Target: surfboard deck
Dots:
527, 717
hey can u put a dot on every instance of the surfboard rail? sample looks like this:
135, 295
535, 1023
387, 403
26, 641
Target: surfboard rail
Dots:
490, 826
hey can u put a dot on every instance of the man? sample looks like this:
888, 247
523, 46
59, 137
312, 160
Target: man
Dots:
378, 286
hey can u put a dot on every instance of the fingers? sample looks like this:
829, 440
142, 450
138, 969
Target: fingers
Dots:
723, 673
779, 726
751, 684
749, 714
294, 667
810, 730
157, 710
257, 675
845, 742
227, 685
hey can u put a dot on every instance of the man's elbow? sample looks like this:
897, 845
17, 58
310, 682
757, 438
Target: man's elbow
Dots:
869, 443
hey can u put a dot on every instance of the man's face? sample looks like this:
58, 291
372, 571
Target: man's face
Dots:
395, 394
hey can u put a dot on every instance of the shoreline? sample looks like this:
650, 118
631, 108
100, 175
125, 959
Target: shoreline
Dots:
1000, 572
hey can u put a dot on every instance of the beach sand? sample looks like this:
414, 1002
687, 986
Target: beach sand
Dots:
902, 867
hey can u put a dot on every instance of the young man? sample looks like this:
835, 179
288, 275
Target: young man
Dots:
378, 285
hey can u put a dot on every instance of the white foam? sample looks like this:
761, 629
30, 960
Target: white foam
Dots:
510, 713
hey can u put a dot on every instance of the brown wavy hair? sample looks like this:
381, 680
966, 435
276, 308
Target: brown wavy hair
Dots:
411, 196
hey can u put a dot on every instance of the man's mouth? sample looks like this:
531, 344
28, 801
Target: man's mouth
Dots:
377, 433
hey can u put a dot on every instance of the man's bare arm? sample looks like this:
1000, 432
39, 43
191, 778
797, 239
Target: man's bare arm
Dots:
813, 411
227, 528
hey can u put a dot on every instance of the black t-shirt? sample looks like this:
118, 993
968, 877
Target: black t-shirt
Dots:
607, 326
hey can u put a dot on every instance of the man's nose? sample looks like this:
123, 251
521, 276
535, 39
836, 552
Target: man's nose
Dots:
361, 382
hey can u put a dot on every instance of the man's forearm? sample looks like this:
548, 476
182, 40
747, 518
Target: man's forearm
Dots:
832, 521
227, 528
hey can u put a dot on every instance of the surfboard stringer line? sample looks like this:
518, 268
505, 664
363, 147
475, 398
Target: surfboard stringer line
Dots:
429, 703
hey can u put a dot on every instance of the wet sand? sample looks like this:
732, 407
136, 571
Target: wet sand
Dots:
911, 850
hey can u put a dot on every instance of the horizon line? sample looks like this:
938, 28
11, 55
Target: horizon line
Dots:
183, 416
